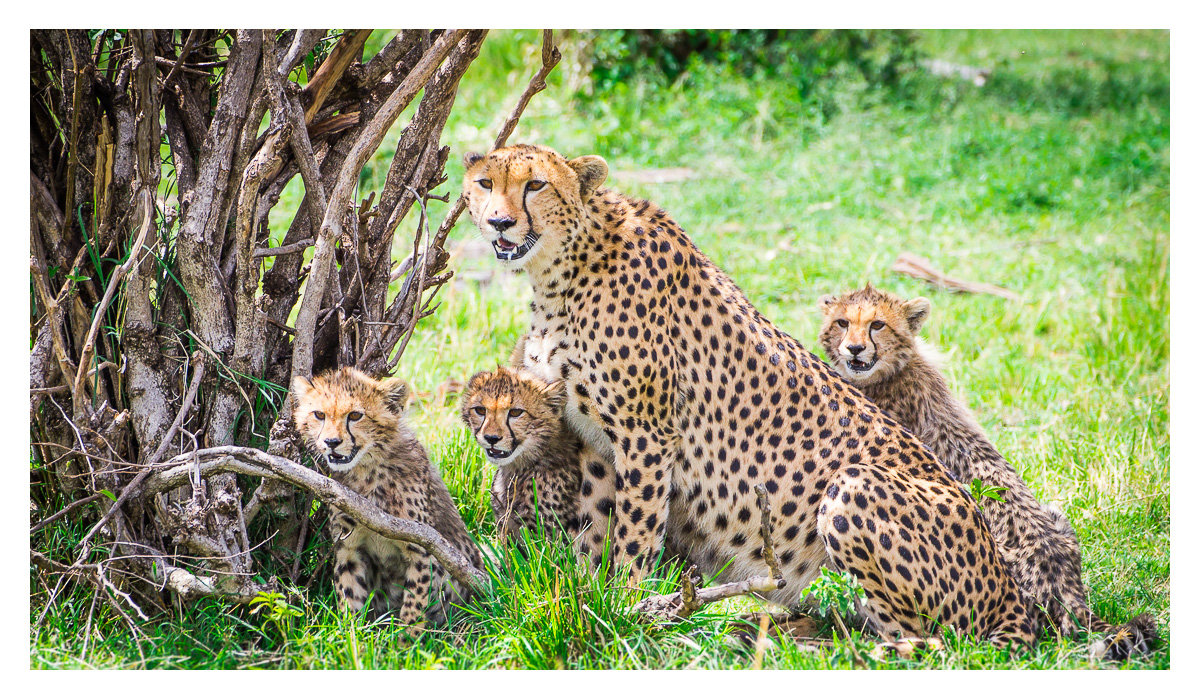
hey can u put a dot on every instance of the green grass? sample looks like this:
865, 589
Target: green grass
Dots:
1052, 180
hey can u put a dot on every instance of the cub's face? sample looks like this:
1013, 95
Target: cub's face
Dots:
524, 198
869, 335
511, 413
343, 414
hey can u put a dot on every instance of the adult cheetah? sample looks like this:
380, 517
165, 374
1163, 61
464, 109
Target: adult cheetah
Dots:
694, 397
870, 337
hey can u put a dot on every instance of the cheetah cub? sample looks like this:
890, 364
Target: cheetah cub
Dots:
518, 421
354, 424
543, 469
870, 337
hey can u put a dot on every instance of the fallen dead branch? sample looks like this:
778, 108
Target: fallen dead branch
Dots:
246, 460
946, 69
681, 605
920, 268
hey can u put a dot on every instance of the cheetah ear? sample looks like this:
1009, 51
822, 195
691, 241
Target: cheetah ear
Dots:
517, 358
826, 301
471, 158
916, 311
556, 395
396, 393
301, 386
591, 170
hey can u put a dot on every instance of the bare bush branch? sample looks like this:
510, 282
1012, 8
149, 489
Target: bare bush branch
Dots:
252, 462
163, 305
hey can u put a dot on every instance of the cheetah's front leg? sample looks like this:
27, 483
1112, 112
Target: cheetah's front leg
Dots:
645, 460
353, 568
597, 506
418, 582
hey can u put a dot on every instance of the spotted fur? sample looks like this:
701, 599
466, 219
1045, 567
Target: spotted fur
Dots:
690, 397
871, 339
355, 425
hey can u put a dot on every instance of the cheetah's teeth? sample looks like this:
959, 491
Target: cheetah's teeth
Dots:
514, 252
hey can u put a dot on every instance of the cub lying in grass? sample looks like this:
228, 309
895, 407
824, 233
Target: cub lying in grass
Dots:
870, 337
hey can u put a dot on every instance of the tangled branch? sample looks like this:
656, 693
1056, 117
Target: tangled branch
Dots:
168, 316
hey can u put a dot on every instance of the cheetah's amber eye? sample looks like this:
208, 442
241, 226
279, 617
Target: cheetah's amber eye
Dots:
480, 411
484, 183
843, 323
876, 325
355, 415
516, 412
535, 185
319, 415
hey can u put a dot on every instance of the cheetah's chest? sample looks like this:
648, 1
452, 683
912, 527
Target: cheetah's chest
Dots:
552, 352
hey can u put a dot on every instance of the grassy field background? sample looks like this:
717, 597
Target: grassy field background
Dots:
1051, 180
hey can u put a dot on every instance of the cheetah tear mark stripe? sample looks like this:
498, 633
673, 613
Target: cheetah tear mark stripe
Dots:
531, 238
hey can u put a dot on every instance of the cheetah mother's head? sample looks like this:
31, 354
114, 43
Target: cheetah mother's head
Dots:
526, 200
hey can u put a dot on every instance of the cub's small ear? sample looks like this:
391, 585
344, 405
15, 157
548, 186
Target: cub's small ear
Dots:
396, 392
556, 395
826, 301
916, 311
591, 170
471, 158
301, 386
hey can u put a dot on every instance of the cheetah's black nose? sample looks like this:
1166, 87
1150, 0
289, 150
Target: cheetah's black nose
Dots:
855, 349
502, 223
333, 442
491, 439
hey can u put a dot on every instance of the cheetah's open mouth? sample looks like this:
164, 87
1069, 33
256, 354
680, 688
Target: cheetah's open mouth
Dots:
497, 454
857, 365
507, 250
336, 460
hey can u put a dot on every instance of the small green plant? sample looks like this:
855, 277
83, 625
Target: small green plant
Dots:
835, 591
275, 607
838, 592
980, 491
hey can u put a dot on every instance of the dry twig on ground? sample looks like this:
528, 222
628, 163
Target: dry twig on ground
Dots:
920, 268
681, 605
